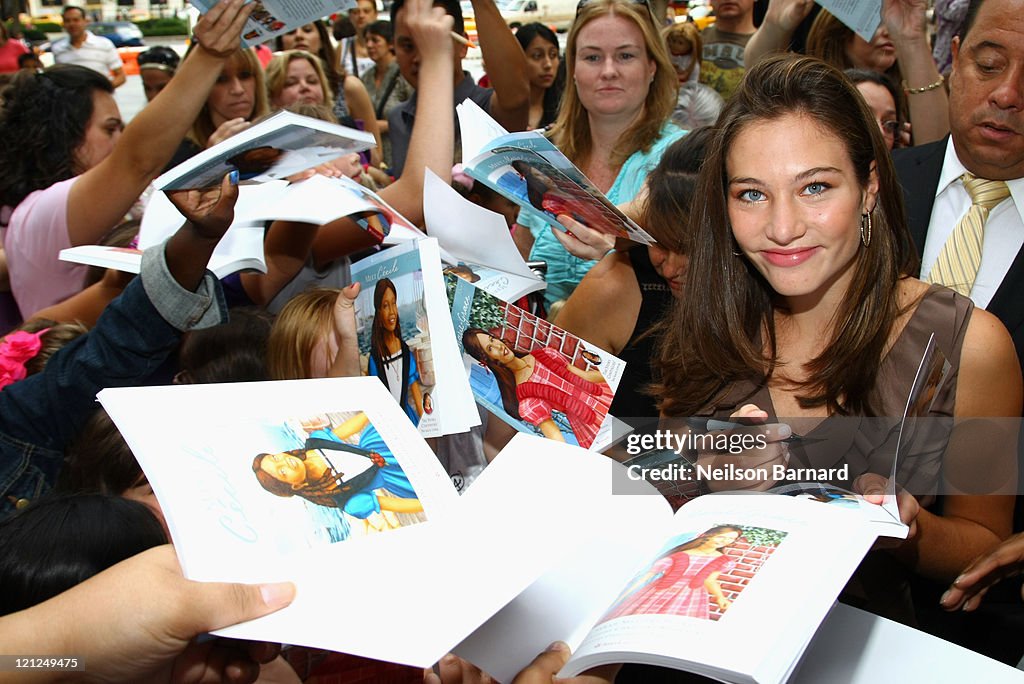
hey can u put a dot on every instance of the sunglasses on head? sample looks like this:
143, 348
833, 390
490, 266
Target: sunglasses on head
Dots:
159, 58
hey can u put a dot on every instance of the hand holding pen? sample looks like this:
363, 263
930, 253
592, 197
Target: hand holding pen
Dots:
772, 449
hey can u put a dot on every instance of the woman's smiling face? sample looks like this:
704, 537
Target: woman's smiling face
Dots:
795, 204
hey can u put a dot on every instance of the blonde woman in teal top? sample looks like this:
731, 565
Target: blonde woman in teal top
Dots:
613, 122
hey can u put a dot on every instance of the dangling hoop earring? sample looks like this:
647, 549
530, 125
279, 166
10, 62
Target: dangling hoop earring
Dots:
865, 228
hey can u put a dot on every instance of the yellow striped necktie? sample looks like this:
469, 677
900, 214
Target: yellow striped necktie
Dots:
960, 258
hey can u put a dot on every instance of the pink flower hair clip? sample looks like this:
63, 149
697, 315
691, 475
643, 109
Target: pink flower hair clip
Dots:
17, 349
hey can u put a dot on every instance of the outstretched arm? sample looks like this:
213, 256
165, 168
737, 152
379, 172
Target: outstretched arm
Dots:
149, 142
781, 20
285, 250
510, 102
208, 214
908, 27
433, 134
87, 305
134, 336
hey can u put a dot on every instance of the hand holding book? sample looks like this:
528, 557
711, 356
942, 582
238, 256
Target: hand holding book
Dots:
582, 241
875, 488
346, 361
218, 31
208, 213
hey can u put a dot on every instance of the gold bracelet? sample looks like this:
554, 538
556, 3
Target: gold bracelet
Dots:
924, 89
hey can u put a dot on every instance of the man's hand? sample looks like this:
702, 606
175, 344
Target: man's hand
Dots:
209, 210
967, 590
137, 621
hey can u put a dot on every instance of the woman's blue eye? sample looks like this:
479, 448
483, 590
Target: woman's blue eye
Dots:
751, 195
816, 188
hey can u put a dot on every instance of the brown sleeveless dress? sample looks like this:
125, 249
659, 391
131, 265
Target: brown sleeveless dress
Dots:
868, 444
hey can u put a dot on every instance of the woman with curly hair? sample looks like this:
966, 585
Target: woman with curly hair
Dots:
77, 169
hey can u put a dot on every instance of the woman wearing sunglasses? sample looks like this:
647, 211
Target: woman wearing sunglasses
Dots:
613, 122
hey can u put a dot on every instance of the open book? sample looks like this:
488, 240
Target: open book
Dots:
275, 148
406, 337
326, 483
476, 242
530, 171
272, 18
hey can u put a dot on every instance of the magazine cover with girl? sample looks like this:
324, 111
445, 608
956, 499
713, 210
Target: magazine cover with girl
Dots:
533, 375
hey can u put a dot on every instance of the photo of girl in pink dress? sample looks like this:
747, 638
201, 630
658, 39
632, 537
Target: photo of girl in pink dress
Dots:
535, 383
684, 580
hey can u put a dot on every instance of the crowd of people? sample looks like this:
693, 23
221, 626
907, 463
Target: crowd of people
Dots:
821, 205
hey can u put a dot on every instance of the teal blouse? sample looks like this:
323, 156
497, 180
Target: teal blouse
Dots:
564, 270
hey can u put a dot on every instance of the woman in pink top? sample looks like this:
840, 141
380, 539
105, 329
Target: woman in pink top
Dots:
10, 50
77, 170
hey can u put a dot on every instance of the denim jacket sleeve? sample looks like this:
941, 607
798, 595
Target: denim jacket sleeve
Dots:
136, 333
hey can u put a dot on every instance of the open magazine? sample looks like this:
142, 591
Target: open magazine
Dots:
529, 170
316, 200
535, 376
241, 249
406, 337
325, 483
477, 242
275, 148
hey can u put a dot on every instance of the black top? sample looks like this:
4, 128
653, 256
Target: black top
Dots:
631, 401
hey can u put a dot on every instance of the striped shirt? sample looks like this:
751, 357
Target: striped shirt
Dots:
96, 53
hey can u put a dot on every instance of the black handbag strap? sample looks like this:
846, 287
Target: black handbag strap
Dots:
383, 99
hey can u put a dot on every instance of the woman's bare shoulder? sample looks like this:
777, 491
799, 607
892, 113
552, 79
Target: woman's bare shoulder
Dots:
604, 307
990, 376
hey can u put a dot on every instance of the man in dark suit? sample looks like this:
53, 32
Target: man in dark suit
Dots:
986, 112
